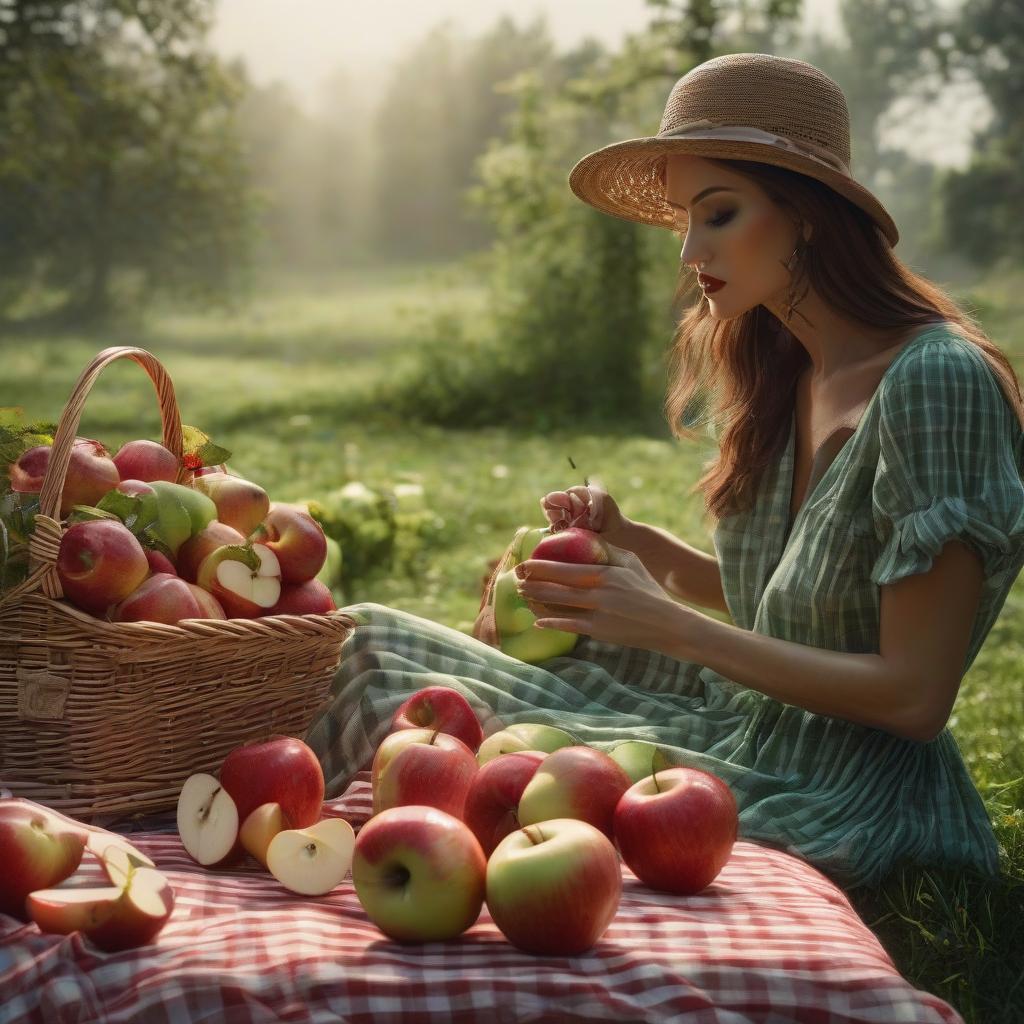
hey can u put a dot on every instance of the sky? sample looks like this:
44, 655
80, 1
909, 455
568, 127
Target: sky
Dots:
299, 42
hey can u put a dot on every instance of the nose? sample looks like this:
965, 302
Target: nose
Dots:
686, 255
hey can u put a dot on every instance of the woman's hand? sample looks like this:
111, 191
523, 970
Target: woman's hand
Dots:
590, 507
620, 603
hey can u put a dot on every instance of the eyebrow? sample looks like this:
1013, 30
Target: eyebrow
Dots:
701, 195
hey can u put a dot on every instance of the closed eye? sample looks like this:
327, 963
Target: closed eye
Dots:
721, 219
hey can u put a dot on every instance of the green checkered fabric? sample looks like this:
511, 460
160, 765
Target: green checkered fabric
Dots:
937, 455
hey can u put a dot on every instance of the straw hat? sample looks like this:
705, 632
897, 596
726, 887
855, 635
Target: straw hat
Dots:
739, 106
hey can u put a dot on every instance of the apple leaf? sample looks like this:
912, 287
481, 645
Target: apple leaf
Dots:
243, 553
198, 450
17, 521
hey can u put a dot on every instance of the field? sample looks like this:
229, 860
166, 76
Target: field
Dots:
282, 385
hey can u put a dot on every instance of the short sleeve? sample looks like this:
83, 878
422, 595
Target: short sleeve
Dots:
948, 464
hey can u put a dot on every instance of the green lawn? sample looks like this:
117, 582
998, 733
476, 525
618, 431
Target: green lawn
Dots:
282, 385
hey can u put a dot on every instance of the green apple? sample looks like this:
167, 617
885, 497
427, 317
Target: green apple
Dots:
639, 759
511, 612
161, 516
200, 509
330, 574
524, 736
537, 645
525, 540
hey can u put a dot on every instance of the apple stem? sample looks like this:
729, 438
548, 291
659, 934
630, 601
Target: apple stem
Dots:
529, 834
205, 813
654, 775
434, 737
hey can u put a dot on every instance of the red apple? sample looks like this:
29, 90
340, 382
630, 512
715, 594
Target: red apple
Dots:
36, 850
553, 888
240, 503
99, 563
146, 460
166, 598
206, 470
90, 474
492, 803
159, 562
676, 829
573, 544
440, 707
419, 874
422, 766
212, 536
296, 538
310, 597
575, 782
209, 606
245, 579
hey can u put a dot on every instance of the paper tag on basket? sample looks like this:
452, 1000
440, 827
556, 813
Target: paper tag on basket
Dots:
41, 695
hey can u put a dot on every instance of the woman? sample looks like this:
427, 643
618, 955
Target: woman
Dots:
868, 497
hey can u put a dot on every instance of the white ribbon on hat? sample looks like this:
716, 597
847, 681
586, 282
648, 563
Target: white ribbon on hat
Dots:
745, 133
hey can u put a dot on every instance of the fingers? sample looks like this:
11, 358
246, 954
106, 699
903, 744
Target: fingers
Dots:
573, 507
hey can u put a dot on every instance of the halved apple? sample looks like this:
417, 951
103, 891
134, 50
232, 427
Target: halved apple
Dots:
245, 578
312, 861
260, 828
207, 820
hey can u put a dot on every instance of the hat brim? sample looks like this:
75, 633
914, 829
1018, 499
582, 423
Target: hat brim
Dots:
624, 179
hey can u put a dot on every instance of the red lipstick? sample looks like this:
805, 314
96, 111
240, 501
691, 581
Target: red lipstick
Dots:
709, 284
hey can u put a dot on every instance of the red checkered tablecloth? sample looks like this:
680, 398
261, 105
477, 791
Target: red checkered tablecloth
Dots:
771, 941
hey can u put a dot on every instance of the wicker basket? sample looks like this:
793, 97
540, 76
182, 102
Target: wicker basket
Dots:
108, 718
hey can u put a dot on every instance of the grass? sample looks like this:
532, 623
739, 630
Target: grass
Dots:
282, 384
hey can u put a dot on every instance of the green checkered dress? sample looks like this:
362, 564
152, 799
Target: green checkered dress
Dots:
937, 454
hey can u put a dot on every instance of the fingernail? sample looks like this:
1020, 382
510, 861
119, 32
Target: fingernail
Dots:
521, 571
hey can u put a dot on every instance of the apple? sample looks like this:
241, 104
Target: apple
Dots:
524, 736
553, 888
200, 509
422, 766
161, 518
204, 470
514, 620
36, 851
245, 579
208, 821
492, 803
639, 759
526, 540
296, 538
573, 544
440, 707
146, 460
122, 916
90, 473
213, 535
240, 503
419, 874
159, 562
99, 563
311, 597
259, 829
278, 769
169, 599
312, 861
575, 782
676, 829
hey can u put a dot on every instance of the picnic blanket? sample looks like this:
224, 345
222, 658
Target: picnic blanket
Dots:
772, 940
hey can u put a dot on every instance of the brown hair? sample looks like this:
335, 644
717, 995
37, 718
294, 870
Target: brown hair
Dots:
751, 363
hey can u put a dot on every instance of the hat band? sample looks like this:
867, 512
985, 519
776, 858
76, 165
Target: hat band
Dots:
744, 133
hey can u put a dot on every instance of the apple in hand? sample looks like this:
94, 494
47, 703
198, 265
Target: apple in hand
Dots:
213, 535
36, 851
311, 597
296, 538
146, 460
676, 829
312, 861
90, 474
553, 888
169, 599
514, 620
419, 874
492, 803
524, 736
573, 544
440, 707
99, 563
575, 782
240, 503
245, 579
422, 766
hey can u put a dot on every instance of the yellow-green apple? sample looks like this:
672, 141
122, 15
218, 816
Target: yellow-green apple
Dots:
36, 851
99, 563
260, 828
208, 821
312, 861
639, 759
524, 736
245, 579
90, 474
575, 782
422, 766
492, 803
311, 597
121, 916
676, 829
169, 599
440, 707
419, 874
514, 620
296, 538
146, 460
162, 518
330, 574
553, 888
213, 535
200, 509
573, 544
240, 503
278, 769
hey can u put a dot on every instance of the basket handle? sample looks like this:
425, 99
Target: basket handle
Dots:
67, 428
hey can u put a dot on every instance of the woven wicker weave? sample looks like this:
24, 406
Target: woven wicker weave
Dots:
110, 718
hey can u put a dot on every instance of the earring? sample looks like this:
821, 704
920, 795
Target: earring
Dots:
794, 263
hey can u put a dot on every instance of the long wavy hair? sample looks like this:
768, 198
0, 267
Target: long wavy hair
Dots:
741, 374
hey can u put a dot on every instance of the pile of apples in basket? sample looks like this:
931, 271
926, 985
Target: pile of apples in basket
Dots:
528, 820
